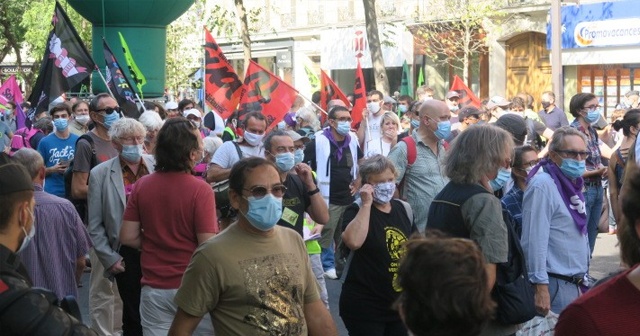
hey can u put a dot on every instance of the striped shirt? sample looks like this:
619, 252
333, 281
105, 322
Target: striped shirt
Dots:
594, 159
60, 239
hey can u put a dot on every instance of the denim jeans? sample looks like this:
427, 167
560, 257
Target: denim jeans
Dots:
593, 197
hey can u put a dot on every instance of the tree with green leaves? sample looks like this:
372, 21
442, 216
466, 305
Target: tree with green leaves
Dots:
457, 30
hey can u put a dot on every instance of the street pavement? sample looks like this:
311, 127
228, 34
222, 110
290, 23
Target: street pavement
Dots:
606, 260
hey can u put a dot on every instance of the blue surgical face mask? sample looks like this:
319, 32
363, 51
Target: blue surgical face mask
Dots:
61, 124
500, 180
265, 212
453, 108
131, 153
8, 113
383, 192
444, 130
109, 119
572, 168
343, 127
592, 116
282, 125
285, 161
402, 108
298, 156
415, 123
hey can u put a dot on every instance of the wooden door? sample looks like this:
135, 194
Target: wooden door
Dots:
528, 66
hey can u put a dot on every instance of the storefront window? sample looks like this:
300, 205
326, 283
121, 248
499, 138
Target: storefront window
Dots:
609, 82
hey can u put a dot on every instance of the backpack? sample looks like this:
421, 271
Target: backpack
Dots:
22, 138
221, 191
346, 252
80, 205
533, 138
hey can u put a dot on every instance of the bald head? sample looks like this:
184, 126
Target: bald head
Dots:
30, 159
433, 109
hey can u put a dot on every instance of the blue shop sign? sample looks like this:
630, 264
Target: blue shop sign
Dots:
599, 25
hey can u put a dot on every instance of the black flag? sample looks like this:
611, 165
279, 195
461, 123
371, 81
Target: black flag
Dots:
66, 63
119, 84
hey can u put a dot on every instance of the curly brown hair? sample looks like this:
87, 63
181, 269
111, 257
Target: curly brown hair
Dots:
455, 299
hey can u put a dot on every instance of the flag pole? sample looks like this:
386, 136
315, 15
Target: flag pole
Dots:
104, 81
314, 104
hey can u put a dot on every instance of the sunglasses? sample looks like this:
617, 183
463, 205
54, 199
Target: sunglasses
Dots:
110, 110
262, 191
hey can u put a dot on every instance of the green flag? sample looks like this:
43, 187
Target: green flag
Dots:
420, 77
405, 83
135, 72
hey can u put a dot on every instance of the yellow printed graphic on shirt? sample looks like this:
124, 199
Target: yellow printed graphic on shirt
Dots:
395, 240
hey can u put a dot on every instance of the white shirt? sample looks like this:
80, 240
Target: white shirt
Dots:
377, 147
227, 155
373, 124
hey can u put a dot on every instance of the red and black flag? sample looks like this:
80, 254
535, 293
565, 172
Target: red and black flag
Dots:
119, 84
223, 88
330, 91
266, 93
65, 64
359, 98
467, 98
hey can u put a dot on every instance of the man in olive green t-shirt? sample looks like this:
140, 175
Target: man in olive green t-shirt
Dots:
254, 278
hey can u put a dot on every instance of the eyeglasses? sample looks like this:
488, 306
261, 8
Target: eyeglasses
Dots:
343, 119
591, 107
283, 149
109, 110
301, 147
258, 192
530, 164
573, 154
134, 139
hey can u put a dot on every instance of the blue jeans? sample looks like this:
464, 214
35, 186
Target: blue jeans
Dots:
593, 197
328, 258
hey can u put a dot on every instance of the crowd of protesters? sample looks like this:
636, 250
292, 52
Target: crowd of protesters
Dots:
190, 224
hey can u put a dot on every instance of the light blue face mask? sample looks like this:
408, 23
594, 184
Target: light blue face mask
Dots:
501, 179
572, 168
61, 124
285, 161
265, 212
402, 108
444, 130
343, 127
415, 123
109, 119
132, 153
298, 156
593, 115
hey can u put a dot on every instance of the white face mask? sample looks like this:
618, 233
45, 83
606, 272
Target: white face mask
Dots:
373, 107
28, 236
83, 119
252, 138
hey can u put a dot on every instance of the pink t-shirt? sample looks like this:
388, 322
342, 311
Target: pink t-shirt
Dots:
171, 208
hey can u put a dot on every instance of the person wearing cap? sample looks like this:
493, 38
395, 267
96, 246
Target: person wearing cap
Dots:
552, 115
58, 149
21, 304
195, 116
369, 129
61, 236
424, 179
389, 104
497, 106
453, 101
172, 109
468, 116
110, 184
104, 302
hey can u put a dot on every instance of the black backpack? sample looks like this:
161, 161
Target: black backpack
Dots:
80, 205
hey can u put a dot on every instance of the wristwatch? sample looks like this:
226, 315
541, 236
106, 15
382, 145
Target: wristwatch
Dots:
313, 192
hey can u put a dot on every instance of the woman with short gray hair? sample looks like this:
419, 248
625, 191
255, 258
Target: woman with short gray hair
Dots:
375, 229
152, 122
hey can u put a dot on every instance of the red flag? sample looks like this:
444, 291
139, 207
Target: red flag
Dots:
359, 99
466, 95
330, 91
223, 88
266, 93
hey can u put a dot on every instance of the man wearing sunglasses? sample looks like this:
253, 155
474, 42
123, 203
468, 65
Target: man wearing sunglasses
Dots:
554, 223
104, 301
264, 283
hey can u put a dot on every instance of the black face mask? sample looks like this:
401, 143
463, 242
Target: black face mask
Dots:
545, 104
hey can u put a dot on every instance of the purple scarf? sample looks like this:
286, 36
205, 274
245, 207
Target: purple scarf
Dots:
339, 149
568, 189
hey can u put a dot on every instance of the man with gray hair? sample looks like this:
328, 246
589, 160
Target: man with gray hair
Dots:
110, 184
55, 259
420, 181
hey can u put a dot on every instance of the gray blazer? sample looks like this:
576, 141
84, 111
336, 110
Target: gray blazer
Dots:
107, 201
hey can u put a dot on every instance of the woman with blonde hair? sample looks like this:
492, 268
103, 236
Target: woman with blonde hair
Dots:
382, 145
